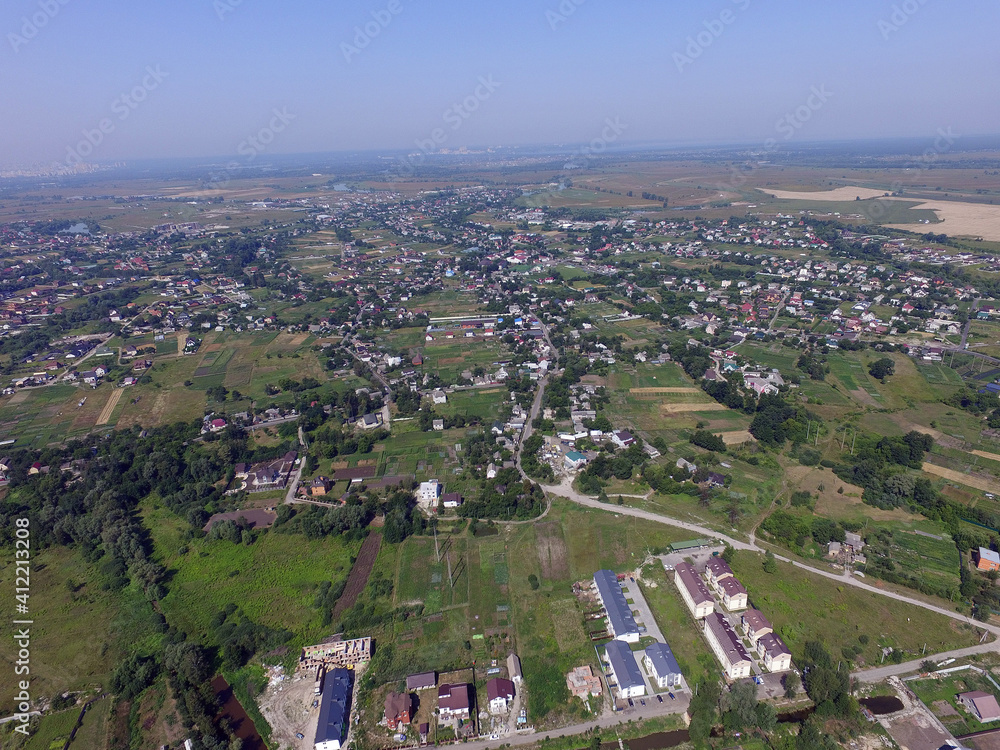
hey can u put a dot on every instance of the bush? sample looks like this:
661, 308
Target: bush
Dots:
809, 457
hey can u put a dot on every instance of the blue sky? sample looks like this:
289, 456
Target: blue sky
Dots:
666, 71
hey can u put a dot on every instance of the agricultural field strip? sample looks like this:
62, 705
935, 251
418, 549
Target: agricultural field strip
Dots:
969, 480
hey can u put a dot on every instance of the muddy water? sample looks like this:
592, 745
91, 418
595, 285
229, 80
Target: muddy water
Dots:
881, 705
233, 712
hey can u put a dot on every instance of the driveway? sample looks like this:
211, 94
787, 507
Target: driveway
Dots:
639, 603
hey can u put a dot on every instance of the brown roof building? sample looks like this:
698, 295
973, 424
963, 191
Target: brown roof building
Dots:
454, 701
398, 707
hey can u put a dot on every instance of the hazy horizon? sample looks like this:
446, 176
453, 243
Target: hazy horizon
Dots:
241, 80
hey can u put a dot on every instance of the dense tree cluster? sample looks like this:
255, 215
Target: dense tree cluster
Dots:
882, 368
777, 421
878, 465
796, 531
506, 497
533, 467
708, 441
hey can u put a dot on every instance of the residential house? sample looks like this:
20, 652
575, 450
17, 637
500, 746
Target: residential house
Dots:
439, 397
774, 652
728, 648
693, 591
734, 596
662, 666
370, 421
500, 694
331, 731
988, 559
454, 701
983, 706
755, 625
451, 499
429, 491
717, 569
270, 475
398, 707
622, 438
622, 668
574, 460
320, 486
621, 622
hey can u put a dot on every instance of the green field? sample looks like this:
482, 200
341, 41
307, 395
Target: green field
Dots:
273, 580
481, 403
448, 358
804, 607
77, 633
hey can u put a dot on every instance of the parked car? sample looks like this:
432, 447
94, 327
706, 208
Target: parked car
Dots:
671, 696
299, 736
659, 698
630, 703
642, 701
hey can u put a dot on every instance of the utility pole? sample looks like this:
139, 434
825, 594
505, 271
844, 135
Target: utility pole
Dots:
437, 549
450, 581
853, 441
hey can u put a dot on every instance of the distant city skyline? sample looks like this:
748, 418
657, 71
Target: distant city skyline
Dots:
244, 79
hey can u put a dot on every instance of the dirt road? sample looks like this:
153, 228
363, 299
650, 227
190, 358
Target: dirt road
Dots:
109, 407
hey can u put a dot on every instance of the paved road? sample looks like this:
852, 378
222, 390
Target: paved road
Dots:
565, 489
777, 314
877, 674
608, 720
634, 592
968, 323
536, 407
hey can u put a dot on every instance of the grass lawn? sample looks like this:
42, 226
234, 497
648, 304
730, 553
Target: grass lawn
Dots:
273, 581
939, 696
678, 626
804, 606
53, 731
481, 403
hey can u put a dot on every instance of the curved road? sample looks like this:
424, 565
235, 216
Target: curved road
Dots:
565, 490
